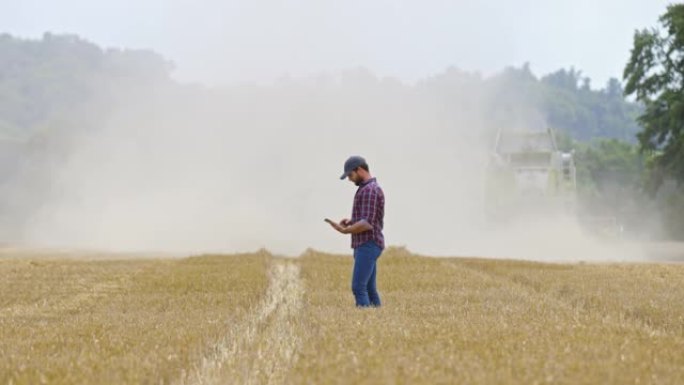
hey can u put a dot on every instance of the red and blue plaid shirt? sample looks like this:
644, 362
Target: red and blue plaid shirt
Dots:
369, 204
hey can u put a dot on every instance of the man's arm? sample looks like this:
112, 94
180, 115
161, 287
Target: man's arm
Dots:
358, 227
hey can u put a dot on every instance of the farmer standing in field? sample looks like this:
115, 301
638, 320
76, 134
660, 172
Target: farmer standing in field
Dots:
365, 228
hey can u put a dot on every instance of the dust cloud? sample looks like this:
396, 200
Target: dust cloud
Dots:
193, 169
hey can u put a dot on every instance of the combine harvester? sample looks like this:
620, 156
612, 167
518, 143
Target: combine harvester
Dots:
530, 180
529, 177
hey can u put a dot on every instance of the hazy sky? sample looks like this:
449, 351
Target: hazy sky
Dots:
216, 41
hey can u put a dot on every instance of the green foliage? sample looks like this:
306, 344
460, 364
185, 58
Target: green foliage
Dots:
609, 173
566, 102
47, 80
655, 75
612, 162
563, 100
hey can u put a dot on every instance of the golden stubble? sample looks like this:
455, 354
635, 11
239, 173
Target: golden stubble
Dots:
261, 319
120, 322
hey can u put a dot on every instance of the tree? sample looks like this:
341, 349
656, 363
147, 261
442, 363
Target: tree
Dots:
614, 89
655, 76
53, 81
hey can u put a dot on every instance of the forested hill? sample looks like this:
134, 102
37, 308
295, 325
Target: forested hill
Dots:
568, 103
45, 83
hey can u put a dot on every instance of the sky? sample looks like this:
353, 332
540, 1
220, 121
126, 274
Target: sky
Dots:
224, 42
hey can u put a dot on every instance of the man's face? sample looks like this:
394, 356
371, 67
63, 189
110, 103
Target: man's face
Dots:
355, 177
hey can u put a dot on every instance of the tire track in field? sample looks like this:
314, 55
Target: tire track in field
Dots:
262, 348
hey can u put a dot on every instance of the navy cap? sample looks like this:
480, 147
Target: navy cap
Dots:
351, 164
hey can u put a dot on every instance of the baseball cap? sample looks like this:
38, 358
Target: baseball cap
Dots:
351, 164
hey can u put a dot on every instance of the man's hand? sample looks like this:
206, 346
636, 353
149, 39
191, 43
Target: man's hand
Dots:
358, 227
345, 222
337, 226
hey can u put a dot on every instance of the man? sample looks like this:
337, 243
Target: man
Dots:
365, 227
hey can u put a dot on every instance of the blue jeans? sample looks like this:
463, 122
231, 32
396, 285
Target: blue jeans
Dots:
365, 270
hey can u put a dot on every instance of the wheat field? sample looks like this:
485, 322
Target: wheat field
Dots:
262, 319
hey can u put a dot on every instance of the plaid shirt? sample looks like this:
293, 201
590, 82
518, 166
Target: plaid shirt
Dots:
369, 204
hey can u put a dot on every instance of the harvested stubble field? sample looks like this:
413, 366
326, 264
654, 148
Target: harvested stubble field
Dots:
256, 318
